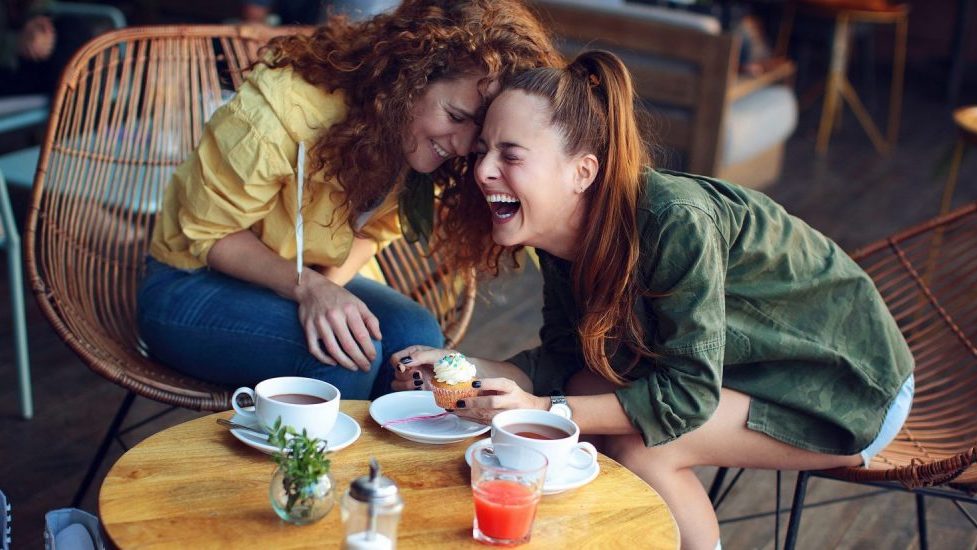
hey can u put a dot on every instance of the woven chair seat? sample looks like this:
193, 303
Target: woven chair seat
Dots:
928, 278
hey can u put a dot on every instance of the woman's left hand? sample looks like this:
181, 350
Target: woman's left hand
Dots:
496, 395
413, 367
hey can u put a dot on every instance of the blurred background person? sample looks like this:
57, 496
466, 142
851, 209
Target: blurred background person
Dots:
35, 46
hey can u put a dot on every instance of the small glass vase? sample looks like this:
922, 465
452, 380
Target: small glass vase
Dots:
302, 505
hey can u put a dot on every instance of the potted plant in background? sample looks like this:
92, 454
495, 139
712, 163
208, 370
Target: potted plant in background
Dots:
301, 488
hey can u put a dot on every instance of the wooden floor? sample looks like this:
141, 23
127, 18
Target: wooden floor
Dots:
853, 195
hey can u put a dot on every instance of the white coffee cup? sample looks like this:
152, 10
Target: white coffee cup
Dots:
302, 403
519, 426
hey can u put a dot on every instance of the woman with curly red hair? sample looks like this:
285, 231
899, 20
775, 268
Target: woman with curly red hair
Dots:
384, 108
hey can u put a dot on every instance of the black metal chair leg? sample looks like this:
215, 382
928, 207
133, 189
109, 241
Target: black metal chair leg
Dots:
718, 501
794, 524
717, 484
776, 515
120, 416
921, 520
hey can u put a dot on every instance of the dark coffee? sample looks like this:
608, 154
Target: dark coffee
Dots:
536, 431
298, 398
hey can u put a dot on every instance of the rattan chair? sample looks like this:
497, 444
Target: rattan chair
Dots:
928, 277
131, 106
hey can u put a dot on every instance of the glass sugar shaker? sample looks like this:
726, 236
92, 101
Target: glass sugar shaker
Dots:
370, 511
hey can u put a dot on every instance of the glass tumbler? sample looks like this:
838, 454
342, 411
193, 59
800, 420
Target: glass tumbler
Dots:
506, 495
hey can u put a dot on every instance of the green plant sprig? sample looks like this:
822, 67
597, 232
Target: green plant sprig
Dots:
301, 458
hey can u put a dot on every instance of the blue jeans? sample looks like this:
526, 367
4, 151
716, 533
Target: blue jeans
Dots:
230, 332
895, 417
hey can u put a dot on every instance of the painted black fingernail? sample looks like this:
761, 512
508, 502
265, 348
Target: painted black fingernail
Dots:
460, 404
417, 388
418, 382
477, 384
417, 375
406, 360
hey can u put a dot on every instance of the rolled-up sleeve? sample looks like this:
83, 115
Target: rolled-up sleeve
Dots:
239, 172
685, 326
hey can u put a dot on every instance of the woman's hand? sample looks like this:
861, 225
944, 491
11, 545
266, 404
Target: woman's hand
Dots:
334, 318
496, 395
413, 367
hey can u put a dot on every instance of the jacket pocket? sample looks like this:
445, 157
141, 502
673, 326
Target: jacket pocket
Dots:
737, 348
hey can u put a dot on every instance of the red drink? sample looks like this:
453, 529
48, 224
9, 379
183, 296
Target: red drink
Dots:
506, 496
504, 509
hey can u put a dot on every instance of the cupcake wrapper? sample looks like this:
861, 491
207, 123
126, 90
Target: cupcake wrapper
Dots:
448, 398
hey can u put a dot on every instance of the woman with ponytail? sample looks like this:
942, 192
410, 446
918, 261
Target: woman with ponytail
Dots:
690, 322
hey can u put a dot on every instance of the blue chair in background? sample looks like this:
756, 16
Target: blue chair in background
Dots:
22, 111
10, 241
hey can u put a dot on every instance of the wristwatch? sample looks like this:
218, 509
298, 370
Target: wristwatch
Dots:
559, 405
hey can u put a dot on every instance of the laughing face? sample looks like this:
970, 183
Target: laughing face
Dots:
536, 191
443, 123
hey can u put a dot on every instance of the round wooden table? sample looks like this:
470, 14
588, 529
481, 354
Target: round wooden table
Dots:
195, 486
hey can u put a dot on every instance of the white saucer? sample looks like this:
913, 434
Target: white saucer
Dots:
342, 435
569, 478
404, 404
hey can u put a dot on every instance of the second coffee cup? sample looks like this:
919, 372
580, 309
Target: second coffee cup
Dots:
302, 403
555, 436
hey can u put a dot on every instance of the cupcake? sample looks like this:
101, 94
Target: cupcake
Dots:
453, 376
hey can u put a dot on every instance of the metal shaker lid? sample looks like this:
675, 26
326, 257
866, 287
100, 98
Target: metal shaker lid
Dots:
375, 487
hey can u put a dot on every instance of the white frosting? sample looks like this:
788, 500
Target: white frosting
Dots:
454, 368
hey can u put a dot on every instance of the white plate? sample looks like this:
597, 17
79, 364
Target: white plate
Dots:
404, 404
342, 435
569, 478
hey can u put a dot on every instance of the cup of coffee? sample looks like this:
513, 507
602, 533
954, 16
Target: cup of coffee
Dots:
302, 403
553, 435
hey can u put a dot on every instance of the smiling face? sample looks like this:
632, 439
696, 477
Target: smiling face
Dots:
534, 188
443, 124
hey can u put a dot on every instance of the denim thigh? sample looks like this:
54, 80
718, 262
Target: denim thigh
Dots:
218, 328
224, 330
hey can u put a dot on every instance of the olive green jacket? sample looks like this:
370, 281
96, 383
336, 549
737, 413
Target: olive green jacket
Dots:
745, 296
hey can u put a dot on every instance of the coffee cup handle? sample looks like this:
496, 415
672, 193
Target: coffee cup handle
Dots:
591, 453
249, 411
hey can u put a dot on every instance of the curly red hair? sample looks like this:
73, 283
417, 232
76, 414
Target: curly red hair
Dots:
384, 64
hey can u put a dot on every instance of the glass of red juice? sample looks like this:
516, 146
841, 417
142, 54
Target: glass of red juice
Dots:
506, 494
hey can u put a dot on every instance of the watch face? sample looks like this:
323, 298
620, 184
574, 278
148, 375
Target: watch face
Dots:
561, 409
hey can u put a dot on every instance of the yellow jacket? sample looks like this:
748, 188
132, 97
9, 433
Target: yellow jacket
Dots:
243, 175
